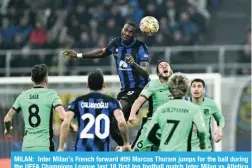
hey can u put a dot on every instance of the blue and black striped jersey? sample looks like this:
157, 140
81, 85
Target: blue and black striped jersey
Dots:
94, 113
129, 77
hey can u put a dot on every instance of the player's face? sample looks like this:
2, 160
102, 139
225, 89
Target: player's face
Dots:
164, 70
197, 90
128, 32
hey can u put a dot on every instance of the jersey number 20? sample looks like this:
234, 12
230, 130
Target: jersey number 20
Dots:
97, 122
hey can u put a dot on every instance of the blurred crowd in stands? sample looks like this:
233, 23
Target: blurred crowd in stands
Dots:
245, 54
91, 23
51, 24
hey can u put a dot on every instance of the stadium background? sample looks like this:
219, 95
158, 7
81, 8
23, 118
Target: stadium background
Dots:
195, 36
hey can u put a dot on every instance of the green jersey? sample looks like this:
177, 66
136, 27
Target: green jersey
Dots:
157, 93
208, 109
37, 105
175, 120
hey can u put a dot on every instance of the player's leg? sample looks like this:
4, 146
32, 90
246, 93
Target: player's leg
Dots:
115, 133
126, 99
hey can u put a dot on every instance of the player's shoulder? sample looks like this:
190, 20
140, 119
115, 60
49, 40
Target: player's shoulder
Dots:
140, 43
154, 82
189, 103
151, 84
51, 91
209, 100
24, 93
27, 92
115, 40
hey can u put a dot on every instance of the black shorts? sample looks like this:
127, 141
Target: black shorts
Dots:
129, 95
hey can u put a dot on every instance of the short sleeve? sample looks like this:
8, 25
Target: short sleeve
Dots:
148, 90
56, 100
16, 106
111, 47
115, 105
143, 54
72, 106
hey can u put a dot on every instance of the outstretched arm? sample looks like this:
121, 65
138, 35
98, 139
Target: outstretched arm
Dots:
98, 53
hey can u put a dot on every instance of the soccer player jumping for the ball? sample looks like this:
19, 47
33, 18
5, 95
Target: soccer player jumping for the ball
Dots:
208, 109
131, 56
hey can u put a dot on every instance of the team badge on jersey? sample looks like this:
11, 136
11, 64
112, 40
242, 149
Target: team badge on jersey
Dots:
206, 111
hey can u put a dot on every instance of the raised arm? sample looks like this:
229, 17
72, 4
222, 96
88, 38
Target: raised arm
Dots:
143, 68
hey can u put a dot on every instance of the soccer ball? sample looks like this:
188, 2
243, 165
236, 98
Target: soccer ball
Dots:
149, 25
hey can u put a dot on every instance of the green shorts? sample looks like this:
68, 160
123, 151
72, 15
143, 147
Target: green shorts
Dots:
141, 142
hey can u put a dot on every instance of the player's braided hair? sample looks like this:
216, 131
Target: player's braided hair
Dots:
178, 84
38, 73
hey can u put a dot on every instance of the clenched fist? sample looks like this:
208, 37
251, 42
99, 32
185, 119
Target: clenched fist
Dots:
130, 59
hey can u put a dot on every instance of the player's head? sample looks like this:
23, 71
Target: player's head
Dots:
163, 69
129, 31
39, 74
197, 88
95, 80
178, 84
